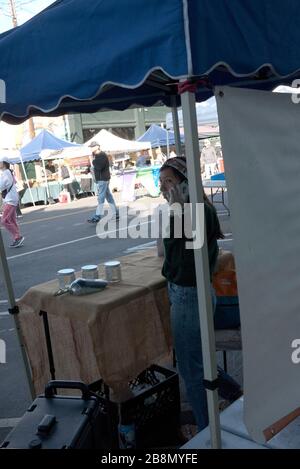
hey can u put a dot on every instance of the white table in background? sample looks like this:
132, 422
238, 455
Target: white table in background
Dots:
220, 187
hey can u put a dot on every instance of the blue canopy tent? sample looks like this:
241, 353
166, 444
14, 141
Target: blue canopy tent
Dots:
45, 140
159, 137
33, 151
167, 52
137, 64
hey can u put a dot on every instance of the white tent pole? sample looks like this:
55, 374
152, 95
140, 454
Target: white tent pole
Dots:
47, 187
176, 126
26, 179
14, 310
202, 266
168, 146
151, 153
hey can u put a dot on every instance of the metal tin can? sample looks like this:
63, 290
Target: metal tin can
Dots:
90, 272
65, 277
113, 271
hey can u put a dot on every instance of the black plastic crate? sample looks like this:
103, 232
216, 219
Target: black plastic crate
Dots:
154, 410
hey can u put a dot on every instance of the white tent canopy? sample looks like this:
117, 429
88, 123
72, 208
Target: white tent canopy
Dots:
66, 153
113, 144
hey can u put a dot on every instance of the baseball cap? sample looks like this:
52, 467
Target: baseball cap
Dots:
94, 144
178, 163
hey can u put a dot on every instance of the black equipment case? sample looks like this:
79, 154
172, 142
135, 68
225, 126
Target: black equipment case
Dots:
58, 421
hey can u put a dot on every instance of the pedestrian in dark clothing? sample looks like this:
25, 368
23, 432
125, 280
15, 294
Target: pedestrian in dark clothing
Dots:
102, 177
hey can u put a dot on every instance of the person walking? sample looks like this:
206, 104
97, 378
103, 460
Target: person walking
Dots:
102, 177
10, 203
209, 158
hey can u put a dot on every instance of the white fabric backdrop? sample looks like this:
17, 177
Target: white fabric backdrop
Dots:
260, 134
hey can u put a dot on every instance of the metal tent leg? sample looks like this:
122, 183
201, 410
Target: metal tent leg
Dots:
14, 310
202, 268
176, 126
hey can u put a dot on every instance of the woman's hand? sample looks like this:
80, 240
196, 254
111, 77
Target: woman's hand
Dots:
177, 196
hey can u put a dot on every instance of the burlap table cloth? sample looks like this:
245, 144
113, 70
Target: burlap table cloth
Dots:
114, 334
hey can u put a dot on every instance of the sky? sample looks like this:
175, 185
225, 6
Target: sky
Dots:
26, 9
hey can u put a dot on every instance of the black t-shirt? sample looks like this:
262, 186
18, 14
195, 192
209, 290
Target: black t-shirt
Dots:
179, 264
101, 167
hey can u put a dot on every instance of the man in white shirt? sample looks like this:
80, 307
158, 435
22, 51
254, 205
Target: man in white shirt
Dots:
209, 158
10, 202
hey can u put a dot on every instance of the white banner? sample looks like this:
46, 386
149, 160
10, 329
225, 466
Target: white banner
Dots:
260, 133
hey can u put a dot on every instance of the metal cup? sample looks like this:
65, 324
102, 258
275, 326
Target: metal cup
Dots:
90, 272
65, 277
113, 271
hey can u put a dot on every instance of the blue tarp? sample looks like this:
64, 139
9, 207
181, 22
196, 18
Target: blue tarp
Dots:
45, 140
218, 177
119, 53
158, 137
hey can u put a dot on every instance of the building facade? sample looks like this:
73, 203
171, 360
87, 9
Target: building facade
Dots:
129, 124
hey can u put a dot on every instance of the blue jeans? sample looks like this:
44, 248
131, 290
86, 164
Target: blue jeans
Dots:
104, 193
187, 341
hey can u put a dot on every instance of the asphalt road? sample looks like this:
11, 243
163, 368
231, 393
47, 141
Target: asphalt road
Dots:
57, 236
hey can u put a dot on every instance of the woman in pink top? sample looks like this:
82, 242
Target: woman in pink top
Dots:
10, 203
